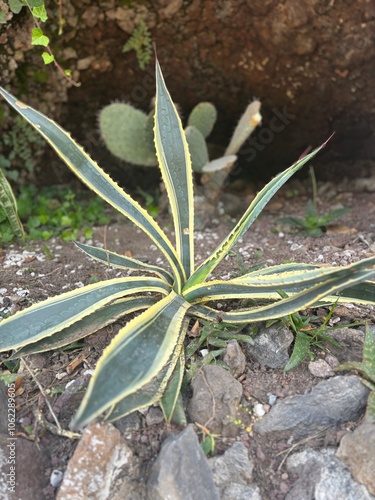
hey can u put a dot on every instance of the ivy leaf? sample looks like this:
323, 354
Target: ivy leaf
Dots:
36, 3
15, 6
48, 58
37, 37
3, 17
40, 13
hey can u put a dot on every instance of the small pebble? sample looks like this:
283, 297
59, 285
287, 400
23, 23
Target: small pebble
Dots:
320, 368
56, 478
272, 399
259, 410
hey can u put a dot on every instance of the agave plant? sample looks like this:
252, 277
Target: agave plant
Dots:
144, 363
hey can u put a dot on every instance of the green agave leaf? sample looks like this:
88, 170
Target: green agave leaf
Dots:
246, 220
300, 350
90, 324
369, 349
174, 160
260, 285
9, 205
370, 411
97, 180
52, 315
361, 293
145, 396
135, 357
122, 262
152, 391
280, 268
169, 399
340, 279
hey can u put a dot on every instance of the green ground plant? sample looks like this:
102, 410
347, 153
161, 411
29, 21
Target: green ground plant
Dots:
308, 336
141, 42
20, 147
314, 224
214, 336
54, 212
145, 362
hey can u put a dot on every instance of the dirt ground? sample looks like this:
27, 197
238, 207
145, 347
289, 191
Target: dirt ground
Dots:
55, 267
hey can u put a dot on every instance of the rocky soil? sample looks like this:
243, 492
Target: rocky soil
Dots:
276, 435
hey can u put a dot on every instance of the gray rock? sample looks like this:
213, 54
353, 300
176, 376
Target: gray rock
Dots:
129, 423
216, 396
181, 471
271, 346
234, 358
241, 492
154, 416
234, 466
329, 403
101, 463
232, 473
320, 368
357, 451
322, 477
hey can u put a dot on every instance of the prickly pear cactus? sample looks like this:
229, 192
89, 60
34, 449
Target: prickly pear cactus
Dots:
203, 118
246, 126
126, 132
197, 148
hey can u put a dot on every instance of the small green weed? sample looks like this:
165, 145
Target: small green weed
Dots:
208, 443
314, 224
53, 211
308, 336
214, 337
151, 202
141, 42
20, 148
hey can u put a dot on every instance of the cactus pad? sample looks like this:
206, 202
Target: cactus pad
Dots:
247, 124
197, 148
203, 118
125, 131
